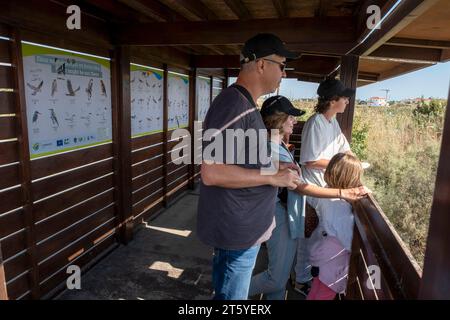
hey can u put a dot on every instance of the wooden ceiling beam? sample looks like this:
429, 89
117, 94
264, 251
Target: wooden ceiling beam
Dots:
154, 9
322, 9
306, 64
239, 9
408, 53
401, 69
119, 11
280, 7
292, 31
402, 14
198, 9
418, 43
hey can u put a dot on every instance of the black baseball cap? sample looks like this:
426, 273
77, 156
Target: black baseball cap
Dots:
281, 104
263, 45
330, 88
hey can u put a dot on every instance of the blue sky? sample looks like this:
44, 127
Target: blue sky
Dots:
429, 82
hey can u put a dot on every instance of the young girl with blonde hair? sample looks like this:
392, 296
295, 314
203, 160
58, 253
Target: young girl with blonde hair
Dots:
330, 253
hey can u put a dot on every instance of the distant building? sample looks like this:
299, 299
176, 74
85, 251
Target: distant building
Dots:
377, 102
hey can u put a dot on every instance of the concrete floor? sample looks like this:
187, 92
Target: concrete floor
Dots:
165, 260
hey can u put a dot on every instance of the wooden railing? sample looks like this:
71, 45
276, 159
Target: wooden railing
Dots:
381, 266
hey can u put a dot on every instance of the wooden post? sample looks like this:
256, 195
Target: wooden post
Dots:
436, 276
165, 130
211, 90
24, 156
192, 119
349, 75
122, 140
3, 290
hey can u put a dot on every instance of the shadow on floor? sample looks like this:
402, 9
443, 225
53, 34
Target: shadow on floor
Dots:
165, 260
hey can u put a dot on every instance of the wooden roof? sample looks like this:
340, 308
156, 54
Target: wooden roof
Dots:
210, 33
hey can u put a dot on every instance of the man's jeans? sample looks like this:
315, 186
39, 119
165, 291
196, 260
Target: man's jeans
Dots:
232, 271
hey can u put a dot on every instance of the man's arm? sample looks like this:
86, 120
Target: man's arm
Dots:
235, 177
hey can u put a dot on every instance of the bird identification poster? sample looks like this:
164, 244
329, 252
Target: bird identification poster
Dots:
68, 97
178, 91
203, 97
147, 103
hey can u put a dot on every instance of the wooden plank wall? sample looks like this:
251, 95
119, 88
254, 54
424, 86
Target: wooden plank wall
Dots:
70, 208
58, 210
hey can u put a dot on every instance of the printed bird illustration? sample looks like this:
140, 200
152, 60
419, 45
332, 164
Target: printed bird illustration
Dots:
149, 119
53, 117
153, 85
147, 84
89, 89
54, 87
103, 88
61, 69
35, 116
160, 97
178, 123
70, 89
154, 100
37, 88
70, 118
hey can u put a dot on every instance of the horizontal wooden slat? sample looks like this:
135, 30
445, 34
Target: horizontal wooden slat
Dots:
172, 167
148, 153
13, 244
94, 254
10, 199
177, 193
5, 55
7, 102
177, 174
146, 166
6, 77
144, 205
143, 216
67, 218
61, 162
9, 176
73, 233
55, 184
147, 178
178, 143
7, 128
147, 190
18, 287
67, 255
17, 265
11, 222
141, 142
52, 205
9, 152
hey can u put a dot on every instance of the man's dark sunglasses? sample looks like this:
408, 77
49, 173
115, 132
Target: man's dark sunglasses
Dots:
281, 64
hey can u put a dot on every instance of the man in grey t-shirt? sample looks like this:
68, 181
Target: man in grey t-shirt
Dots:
237, 202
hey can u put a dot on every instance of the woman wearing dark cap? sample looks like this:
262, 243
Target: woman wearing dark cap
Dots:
279, 117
